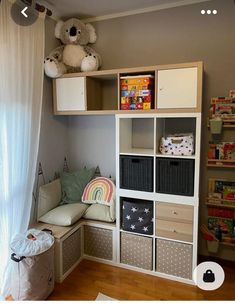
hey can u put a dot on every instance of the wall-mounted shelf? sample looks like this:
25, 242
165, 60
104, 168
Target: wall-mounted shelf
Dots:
221, 205
230, 244
227, 122
176, 87
221, 163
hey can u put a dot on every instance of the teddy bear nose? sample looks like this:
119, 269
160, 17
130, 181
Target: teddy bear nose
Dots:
73, 31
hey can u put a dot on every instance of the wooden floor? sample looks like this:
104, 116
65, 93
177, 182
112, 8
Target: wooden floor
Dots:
90, 278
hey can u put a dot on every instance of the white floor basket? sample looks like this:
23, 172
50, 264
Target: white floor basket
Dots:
32, 266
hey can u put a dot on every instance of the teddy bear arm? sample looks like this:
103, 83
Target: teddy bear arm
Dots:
91, 51
57, 53
53, 65
91, 61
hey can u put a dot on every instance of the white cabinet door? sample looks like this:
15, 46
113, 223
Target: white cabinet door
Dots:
70, 94
177, 88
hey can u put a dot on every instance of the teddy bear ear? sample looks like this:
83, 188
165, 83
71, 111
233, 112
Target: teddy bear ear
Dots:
92, 34
58, 28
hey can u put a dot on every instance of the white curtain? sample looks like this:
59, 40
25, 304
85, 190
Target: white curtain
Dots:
21, 86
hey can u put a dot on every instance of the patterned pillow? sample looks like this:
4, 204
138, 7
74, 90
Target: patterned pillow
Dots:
100, 190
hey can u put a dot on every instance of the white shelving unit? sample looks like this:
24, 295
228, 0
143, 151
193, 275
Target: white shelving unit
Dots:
176, 108
175, 216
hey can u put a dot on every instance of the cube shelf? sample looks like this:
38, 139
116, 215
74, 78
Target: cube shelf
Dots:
137, 136
167, 183
175, 126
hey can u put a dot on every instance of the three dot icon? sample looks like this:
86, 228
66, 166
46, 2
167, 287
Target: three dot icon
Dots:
208, 12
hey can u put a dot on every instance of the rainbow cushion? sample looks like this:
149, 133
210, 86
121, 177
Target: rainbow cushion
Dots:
100, 190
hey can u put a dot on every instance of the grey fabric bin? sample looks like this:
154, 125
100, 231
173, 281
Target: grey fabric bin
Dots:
174, 258
98, 242
137, 251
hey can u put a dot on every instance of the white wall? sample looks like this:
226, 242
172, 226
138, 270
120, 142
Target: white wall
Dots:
92, 143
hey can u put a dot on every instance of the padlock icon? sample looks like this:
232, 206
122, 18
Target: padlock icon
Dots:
208, 276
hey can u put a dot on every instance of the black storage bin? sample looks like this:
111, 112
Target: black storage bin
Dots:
175, 176
136, 173
137, 216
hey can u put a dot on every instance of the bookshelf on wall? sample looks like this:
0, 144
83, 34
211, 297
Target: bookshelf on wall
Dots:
220, 200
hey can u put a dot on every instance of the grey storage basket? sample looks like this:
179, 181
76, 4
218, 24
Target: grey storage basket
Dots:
175, 176
32, 266
136, 173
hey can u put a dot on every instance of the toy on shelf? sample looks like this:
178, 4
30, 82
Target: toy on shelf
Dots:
221, 192
222, 228
75, 53
221, 210
221, 154
212, 241
222, 112
137, 92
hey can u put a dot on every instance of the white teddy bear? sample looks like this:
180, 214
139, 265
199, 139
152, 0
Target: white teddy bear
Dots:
74, 55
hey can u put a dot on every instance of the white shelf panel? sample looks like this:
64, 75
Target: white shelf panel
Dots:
138, 234
135, 194
139, 151
160, 115
181, 241
149, 152
157, 197
176, 156
177, 199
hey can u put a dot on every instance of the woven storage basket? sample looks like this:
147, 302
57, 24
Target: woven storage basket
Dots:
136, 173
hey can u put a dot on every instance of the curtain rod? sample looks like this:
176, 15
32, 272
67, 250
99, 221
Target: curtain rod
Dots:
38, 7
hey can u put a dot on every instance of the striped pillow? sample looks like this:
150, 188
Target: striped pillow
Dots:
100, 190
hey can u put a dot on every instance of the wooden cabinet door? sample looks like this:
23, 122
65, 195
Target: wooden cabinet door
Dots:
177, 88
70, 94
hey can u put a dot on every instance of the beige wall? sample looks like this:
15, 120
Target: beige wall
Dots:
169, 36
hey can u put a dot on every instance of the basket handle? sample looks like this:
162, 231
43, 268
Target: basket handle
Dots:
16, 259
135, 160
174, 163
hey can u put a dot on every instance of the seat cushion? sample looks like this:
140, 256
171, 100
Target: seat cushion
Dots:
99, 212
49, 197
65, 215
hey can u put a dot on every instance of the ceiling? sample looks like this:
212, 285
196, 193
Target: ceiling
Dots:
101, 8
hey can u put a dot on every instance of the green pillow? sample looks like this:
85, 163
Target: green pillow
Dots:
73, 184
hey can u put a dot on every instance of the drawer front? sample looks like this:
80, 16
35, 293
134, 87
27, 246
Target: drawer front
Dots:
174, 212
174, 230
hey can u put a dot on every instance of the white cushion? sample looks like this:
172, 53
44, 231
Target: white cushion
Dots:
49, 197
65, 215
99, 212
